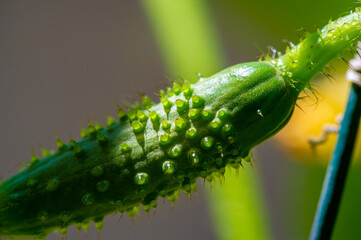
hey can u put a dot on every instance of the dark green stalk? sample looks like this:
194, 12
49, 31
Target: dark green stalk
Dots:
334, 182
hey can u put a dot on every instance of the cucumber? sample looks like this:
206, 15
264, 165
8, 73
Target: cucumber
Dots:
155, 150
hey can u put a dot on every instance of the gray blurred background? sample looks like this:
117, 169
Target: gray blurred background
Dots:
63, 63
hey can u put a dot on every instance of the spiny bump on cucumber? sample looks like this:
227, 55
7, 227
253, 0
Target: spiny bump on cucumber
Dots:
156, 150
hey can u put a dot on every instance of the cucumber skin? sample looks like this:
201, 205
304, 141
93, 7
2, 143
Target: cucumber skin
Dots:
97, 176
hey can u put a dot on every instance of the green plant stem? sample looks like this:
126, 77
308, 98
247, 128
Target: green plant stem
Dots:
237, 206
188, 42
302, 62
334, 182
185, 36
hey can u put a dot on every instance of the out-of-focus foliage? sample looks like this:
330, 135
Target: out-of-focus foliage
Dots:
234, 205
183, 29
248, 27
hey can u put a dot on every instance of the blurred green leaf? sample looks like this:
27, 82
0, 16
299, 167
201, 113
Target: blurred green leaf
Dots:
237, 206
186, 37
188, 42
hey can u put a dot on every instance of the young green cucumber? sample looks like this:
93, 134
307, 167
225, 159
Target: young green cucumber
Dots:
157, 149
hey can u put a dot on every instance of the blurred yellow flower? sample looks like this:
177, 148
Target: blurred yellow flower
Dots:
315, 114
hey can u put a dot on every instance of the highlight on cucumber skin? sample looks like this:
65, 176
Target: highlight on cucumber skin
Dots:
156, 150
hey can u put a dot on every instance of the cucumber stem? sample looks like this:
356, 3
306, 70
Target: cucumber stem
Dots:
302, 62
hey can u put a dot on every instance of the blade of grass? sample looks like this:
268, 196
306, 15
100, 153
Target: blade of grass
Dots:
334, 182
188, 42
237, 206
185, 37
